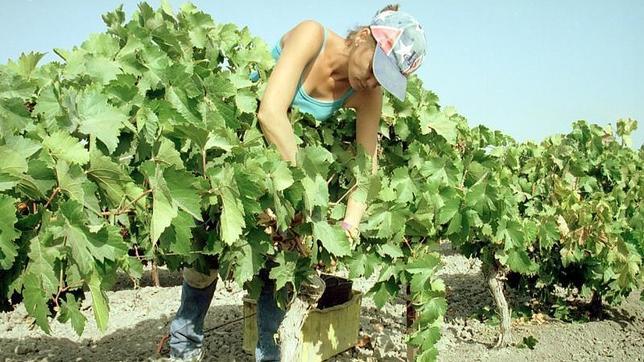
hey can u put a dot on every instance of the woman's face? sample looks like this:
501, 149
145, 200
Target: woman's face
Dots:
360, 61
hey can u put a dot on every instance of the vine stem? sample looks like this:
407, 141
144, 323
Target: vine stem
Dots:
60, 287
413, 252
203, 163
62, 290
494, 276
127, 208
154, 273
61, 282
410, 316
345, 194
291, 326
53, 194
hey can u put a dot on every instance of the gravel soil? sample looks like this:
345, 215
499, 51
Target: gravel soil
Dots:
139, 318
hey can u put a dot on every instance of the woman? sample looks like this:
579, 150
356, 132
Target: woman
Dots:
319, 72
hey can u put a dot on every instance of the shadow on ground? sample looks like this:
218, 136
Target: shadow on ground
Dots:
138, 343
166, 279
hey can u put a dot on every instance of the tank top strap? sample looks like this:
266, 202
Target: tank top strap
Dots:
323, 40
344, 97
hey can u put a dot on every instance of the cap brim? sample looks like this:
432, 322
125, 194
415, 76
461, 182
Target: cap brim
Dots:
388, 75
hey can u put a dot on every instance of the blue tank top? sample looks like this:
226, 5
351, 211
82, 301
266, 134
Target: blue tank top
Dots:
320, 109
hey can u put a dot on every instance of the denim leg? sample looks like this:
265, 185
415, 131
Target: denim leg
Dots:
269, 318
186, 330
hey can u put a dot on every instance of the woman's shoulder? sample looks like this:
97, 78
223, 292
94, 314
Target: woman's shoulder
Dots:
306, 30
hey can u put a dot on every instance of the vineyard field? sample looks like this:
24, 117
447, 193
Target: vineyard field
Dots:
139, 318
141, 150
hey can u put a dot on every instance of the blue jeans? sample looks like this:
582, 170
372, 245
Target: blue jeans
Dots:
186, 330
269, 317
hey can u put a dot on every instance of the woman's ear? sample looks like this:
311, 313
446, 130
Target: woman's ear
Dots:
365, 33
365, 36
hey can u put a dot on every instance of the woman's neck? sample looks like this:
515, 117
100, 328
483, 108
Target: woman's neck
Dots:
338, 58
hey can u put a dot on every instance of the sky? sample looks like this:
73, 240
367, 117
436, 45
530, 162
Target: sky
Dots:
527, 68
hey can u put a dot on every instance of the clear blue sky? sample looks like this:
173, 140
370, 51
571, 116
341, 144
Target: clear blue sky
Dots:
528, 68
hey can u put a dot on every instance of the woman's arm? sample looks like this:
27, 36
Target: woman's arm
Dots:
300, 46
368, 110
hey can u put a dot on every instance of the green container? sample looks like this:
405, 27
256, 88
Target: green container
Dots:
325, 332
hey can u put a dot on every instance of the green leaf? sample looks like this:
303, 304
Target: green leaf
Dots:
519, 261
223, 139
13, 114
432, 310
184, 194
71, 180
198, 135
8, 249
388, 224
428, 355
99, 303
40, 280
333, 238
625, 128
383, 292
440, 123
315, 160
390, 249
403, 185
98, 118
8, 182
362, 264
168, 154
281, 175
77, 236
41, 264
62, 146
424, 264
47, 103
284, 272
102, 69
101, 44
70, 311
455, 225
35, 301
251, 258
246, 101
476, 193
26, 63
179, 239
316, 192
251, 185
548, 234
13, 162
186, 106
232, 217
449, 209
512, 233
113, 182
163, 209
529, 342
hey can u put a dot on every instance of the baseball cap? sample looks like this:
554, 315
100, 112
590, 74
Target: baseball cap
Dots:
400, 49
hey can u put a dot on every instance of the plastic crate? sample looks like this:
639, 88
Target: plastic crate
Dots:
325, 333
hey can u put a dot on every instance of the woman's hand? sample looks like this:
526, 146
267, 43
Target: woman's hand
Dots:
352, 232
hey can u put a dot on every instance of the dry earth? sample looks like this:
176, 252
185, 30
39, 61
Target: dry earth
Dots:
140, 317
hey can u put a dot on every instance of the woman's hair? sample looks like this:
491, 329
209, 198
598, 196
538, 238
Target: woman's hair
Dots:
352, 33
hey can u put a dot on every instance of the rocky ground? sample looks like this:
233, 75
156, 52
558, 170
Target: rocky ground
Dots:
140, 317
